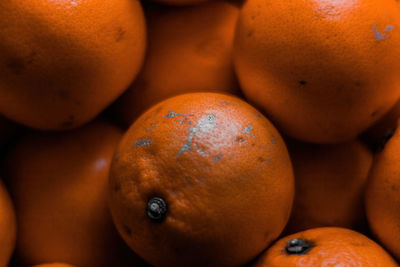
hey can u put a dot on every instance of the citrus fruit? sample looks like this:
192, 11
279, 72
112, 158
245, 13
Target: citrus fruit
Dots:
382, 199
201, 179
189, 50
330, 184
59, 184
7, 226
325, 246
63, 62
323, 71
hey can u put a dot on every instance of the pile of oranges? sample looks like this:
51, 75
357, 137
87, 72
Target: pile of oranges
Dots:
257, 133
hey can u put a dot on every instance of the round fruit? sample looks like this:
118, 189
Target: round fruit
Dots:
330, 183
326, 246
190, 50
63, 62
59, 183
323, 71
7, 226
201, 179
382, 199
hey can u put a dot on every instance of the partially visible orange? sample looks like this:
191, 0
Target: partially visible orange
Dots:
326, 246
382, 198
63, 62
330, 183
201, 179
189, 50
59, 185
323, 71
8, 226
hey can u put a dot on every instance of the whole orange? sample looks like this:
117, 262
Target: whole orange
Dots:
323, 71
326, 246
382, 198
189, 50
63, 62
330, 185
201, 179
8, 226
59, 184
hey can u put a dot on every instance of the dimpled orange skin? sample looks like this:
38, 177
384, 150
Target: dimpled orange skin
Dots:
332, 246
221, 167
7, 226
63, 62
382, 200
54, 265
330, 185
323, 71
189, 50
59, 184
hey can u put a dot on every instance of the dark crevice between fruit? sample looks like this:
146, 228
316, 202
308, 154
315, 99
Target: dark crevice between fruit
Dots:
156, 209
298, 246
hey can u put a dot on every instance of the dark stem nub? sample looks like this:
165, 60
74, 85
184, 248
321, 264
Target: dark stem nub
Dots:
156, 209
298, 246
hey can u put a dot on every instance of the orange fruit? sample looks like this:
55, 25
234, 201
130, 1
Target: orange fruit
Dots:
201, 179
325, 246
330, 184
7, 226
59, 184
54, 265
382, 199
189, 50
63, 62
323, 71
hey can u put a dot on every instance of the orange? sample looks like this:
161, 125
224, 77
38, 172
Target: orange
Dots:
7, 226
54, 265
63, 62
382, 199
323, 71
330, 184
201, 179
326, 246
59, 184
189, 50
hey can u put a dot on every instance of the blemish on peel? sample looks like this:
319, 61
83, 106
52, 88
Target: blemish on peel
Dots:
151, 127
205, 124
273, 139
239, 139
381, 36
248, 129
217, 158
187, 145
172, 114
256, 116
143, 142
